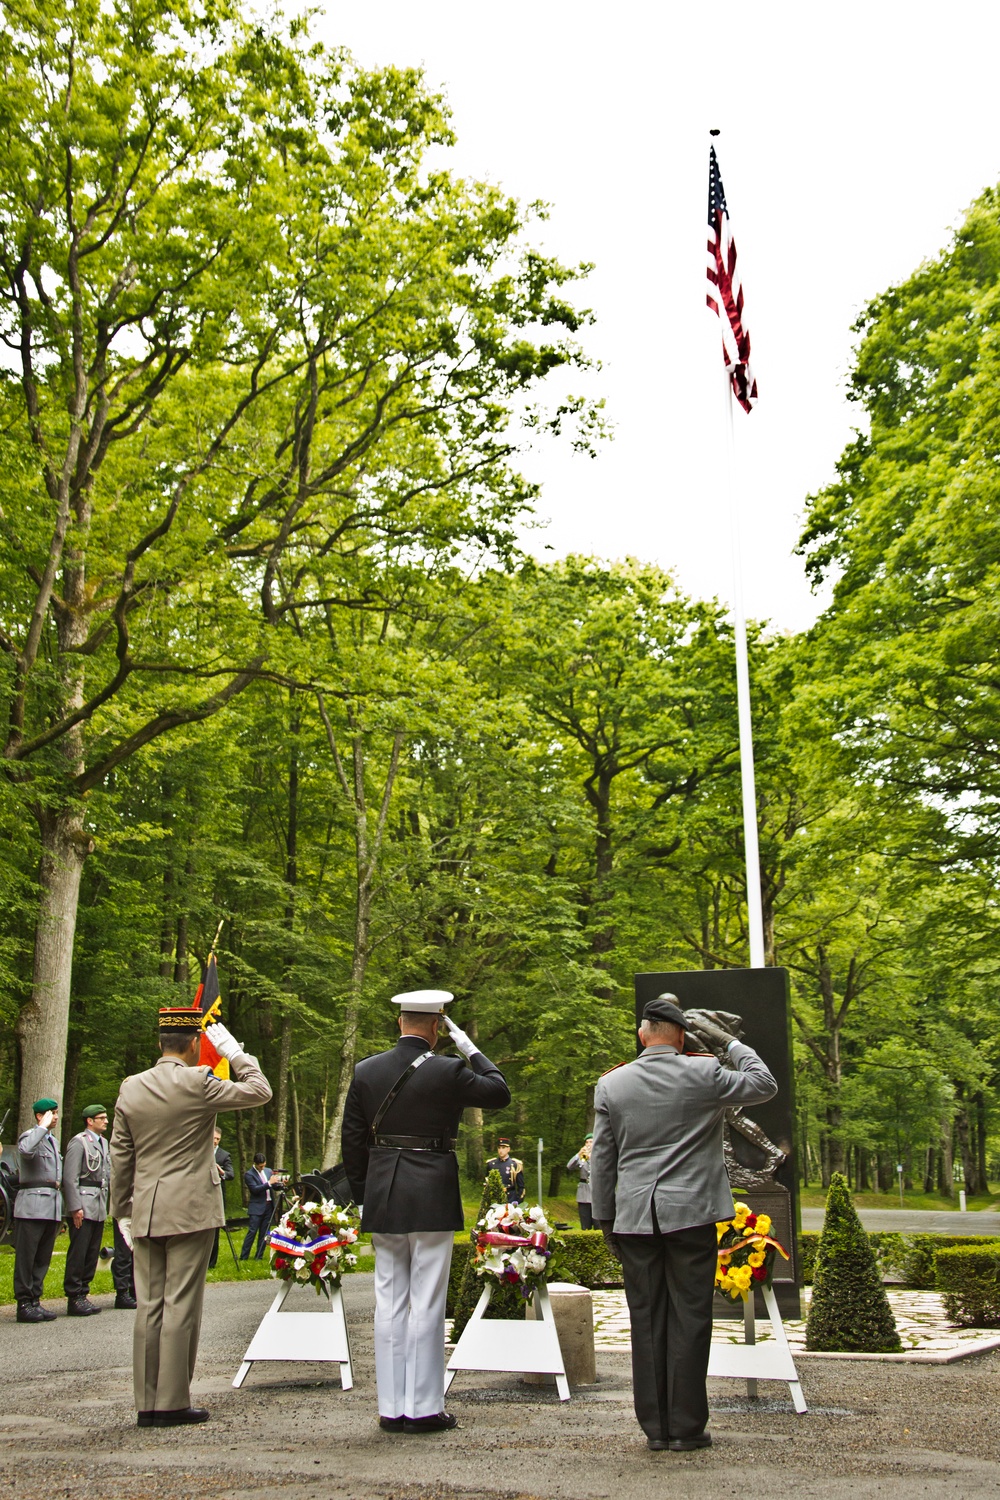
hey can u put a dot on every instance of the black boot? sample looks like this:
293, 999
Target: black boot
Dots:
80, 1307
125, 1299
28, 1312
47, 1316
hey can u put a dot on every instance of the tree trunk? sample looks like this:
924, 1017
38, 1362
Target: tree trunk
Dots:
964, 1144
241, 1154
946, 1173
367, 849
68, 1101
834, 1140
43, 1024
475, 1156
296, 1133
982, 1165
284, 1064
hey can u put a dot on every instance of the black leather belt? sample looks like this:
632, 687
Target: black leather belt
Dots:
417, 1142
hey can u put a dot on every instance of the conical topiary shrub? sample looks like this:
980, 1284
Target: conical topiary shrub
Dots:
849, 1309
506, 1301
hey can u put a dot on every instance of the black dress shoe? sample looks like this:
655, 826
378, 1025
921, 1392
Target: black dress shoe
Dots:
144, 1418
685, 1445
657, 1445
81, 1307
391, 1424
47, 1315
180, 1418
27, 1312
443, 1421
124, 1300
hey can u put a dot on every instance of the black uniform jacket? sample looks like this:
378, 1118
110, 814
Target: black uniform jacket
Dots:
404, 1192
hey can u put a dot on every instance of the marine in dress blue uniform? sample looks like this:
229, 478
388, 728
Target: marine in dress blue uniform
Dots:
398, 1148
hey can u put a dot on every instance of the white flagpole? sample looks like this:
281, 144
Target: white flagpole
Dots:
751, 851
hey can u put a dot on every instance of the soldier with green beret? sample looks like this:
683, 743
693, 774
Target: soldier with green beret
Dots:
86, 1181
37, 1211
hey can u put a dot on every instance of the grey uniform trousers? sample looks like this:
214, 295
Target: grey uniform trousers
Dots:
669, 1286
33, 1243
170, 1289
82, 1256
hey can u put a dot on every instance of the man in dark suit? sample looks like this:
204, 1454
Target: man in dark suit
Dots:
260, 1206
398, 1148
511, 1171
659, 1185
227, 1172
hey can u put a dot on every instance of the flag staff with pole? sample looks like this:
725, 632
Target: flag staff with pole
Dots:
725, 298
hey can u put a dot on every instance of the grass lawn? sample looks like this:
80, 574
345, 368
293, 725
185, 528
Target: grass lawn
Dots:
815, 1197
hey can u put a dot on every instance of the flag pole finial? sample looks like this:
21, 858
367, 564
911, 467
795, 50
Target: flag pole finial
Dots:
715, 132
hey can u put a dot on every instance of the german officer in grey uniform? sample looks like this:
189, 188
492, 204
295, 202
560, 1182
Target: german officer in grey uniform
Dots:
659, 1186
86, 1184
37, 1211
398, 1149
581, 1163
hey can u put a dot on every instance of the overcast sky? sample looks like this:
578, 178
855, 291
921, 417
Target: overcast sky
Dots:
853, 137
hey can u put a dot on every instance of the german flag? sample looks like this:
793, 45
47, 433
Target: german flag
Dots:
209, 1002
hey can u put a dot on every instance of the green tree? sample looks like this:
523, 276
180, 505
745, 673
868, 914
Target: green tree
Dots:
264, 354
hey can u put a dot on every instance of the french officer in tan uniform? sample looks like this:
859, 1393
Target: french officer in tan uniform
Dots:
165, 1196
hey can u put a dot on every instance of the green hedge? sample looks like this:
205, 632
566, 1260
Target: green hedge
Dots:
908, 1256
585, 1259
969, 1278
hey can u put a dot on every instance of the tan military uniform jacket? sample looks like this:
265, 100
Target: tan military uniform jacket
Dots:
163, 1172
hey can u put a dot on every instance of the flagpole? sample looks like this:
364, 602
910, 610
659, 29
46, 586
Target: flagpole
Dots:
751, 850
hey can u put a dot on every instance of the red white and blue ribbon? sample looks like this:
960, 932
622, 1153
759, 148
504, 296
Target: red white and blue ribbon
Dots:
289, 1246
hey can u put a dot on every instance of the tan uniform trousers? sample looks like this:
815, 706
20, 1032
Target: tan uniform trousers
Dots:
170, 1289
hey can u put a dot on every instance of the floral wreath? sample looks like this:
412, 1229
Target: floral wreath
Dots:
514, 1244
311, 1242
746, 1252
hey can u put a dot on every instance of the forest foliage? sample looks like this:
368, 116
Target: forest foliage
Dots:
272, 656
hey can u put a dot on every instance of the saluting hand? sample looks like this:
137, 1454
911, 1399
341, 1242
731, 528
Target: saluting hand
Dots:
464, 1043
223, 1041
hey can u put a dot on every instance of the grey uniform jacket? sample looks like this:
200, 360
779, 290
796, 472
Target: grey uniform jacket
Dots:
39, 1168
163, 1171
658, 1136
86, 1175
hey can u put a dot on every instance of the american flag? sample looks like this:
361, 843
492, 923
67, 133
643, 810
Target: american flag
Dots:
725, 293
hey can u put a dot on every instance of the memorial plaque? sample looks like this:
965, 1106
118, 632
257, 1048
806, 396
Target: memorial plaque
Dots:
760, 997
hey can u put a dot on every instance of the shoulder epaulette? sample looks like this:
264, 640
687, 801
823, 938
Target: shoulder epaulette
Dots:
697, 1054
615, 1066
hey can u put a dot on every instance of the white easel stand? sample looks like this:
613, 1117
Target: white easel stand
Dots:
313, 1336
752, 1361
511, 1345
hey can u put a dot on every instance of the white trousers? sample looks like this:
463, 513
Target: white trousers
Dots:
411, 1292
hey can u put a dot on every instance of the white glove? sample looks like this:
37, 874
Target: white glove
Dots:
125, 1225
223, 1041
464, 1043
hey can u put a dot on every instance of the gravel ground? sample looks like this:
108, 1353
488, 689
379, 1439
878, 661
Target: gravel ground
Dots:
67, 1427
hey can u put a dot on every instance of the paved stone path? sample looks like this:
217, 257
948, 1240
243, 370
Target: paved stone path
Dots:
920, 1318
67, 1427
915, 1221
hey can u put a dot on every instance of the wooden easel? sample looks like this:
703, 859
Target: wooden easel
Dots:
511, 1345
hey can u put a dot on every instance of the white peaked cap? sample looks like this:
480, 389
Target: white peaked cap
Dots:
432, 1001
